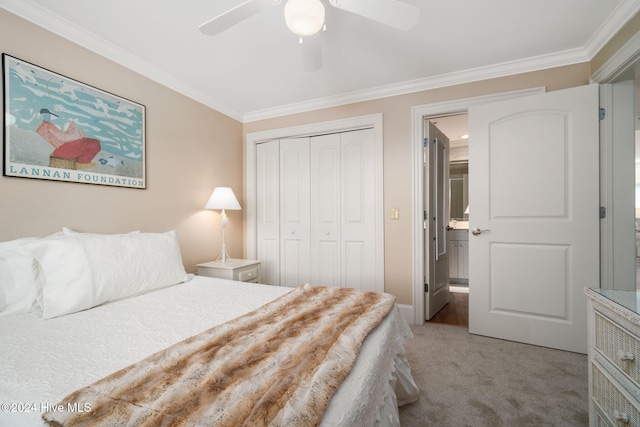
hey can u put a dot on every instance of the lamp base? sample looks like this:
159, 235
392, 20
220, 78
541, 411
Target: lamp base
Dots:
223, 256
222, 259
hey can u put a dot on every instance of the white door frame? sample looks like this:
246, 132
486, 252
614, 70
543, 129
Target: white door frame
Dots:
615, 69
373, 121
418, 114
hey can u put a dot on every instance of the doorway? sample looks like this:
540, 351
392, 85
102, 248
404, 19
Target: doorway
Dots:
419, 113
448, 273
507, 172
619, 78
456, 128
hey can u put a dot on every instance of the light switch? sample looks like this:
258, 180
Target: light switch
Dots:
395, 213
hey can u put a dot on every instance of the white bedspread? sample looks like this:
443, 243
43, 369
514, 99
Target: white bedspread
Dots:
42, 361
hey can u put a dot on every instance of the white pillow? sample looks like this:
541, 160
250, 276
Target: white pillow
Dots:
17, 287
63, 278
83, 271
69, 232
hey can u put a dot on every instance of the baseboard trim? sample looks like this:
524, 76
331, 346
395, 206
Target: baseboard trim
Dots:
407, 312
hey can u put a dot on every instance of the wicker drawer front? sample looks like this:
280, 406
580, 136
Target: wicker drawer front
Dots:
619, 346
612, 401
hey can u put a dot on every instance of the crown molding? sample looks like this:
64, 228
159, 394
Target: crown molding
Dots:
623, 12
34, 13
618, 18
559, 59
619, 63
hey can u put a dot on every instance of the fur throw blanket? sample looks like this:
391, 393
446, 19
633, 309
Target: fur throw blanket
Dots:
276, 366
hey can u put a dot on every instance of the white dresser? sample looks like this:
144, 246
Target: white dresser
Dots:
614, 358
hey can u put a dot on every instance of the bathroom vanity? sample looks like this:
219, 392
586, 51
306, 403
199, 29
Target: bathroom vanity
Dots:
458, 250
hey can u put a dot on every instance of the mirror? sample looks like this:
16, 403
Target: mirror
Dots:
458, 191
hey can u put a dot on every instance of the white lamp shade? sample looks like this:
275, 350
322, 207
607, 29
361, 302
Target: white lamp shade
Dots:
304, 17
223, 198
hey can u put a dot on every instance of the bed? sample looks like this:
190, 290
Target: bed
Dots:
57, 340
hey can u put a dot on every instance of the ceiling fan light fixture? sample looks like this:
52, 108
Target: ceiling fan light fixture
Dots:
304, 17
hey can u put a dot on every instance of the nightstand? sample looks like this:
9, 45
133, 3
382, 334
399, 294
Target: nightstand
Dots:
243, 270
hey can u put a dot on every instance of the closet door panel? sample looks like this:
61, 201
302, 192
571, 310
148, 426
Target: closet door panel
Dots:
294, 212
325, 210
295, 255
269, 254
355, 266
268, 210
326, 263
358, 204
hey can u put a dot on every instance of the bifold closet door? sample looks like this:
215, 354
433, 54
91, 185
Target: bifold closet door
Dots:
342, 210
315, 208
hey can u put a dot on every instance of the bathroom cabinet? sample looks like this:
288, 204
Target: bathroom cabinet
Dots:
458, 249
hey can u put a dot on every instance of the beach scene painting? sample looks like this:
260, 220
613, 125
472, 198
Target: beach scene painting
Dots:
57, 128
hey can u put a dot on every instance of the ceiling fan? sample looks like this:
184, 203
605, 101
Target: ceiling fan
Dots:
306, 18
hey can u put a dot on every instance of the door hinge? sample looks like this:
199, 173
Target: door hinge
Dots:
426, 142
603, 212
602, 114
426, 287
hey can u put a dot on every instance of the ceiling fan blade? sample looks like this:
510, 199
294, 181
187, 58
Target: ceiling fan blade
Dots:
238, 14
393, 13
311, 53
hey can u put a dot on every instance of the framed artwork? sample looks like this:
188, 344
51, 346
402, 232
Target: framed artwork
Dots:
57, 128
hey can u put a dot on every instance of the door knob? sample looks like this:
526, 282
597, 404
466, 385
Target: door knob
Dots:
477, 231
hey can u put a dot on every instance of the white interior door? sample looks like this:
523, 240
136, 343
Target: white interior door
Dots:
436, 176
534, 217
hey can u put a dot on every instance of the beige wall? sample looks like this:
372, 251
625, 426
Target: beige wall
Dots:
190, 149
398, 151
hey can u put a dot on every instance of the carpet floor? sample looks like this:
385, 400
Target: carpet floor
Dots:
471, 380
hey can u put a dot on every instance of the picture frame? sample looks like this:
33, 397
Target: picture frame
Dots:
58, 128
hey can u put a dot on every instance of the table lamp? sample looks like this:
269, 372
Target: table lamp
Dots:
223, 198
